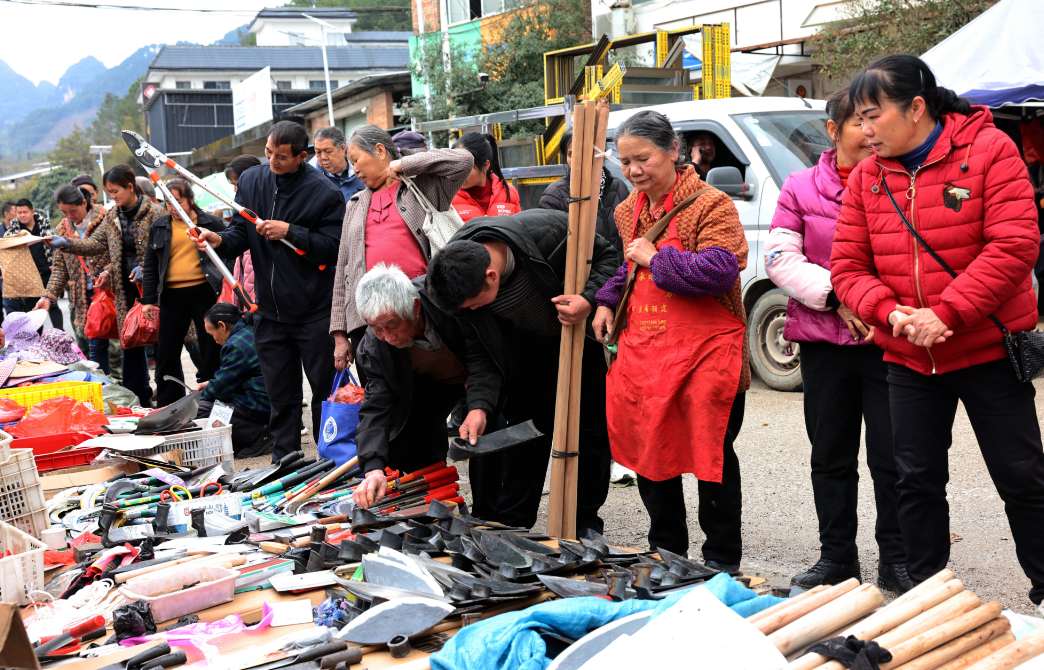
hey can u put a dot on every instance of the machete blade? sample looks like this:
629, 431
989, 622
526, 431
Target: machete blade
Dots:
493, 442
406, 617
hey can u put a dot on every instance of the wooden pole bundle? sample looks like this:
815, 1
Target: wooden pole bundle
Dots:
590, 122
840, 611
996, 630
774, 622
1014, 654
786, 604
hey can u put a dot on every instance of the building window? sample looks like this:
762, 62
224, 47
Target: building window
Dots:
321, 84
183, 84
297, 39
284, 85
490, 7
335, 40
459, 10
217, 85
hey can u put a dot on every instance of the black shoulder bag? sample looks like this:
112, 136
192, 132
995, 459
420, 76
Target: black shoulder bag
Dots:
1025, 349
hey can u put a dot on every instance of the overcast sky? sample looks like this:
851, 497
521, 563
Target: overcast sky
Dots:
41, 42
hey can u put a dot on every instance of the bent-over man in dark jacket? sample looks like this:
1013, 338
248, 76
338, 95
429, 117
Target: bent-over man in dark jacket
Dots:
293, 292
515, 265
419, 363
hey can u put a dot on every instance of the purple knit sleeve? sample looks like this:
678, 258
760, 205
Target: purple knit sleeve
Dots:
609, 295
710, 272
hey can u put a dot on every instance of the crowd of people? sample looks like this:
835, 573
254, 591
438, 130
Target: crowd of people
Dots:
906, 253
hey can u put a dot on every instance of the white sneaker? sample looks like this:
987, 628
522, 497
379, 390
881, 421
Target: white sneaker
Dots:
619, 474
304, 430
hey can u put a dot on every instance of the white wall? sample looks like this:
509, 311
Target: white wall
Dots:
751, 21
298, 80
273, 32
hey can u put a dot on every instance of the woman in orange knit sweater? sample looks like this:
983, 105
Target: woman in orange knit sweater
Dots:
184, 283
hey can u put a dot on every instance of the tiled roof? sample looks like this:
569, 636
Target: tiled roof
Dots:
225, 58
326, 13
378, 36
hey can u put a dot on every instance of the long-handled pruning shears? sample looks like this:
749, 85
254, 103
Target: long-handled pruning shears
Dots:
150, 157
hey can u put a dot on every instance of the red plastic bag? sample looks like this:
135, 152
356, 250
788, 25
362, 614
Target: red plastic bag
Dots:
349, 393
1032, 142
227, 294
101, 317
10, 410
137, 330
55, 416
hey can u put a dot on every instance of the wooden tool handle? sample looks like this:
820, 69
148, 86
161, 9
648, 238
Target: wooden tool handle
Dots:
789, 602
1014, 654
124, 577
964, 601
305, 494
849, 607
960, 645
274, 547
774, 622
921, 644
979, 653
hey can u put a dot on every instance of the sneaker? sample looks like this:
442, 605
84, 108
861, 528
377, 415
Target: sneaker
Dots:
304, 429
261, 446
826, 571
728, 568
893, 577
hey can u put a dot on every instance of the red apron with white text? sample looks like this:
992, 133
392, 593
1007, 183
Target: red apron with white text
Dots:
670, 391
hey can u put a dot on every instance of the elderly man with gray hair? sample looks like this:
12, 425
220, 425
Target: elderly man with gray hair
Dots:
330, 155
419, 363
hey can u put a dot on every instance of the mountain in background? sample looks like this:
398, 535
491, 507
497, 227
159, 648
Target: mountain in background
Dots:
72, 103
234, 36
20, 95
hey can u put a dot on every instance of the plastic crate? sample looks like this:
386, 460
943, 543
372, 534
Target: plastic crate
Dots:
27, 396
47, 450
199, 448
23, 570
21, 493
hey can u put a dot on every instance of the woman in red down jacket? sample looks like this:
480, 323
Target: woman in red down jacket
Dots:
486, 192
963, 186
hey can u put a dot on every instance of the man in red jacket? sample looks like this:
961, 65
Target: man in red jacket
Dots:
961, 184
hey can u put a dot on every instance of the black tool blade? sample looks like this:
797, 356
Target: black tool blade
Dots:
493, 442
134, 142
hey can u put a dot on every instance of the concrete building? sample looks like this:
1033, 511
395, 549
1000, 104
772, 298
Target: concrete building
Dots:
764, 27
371, 100
288, 27
187, 96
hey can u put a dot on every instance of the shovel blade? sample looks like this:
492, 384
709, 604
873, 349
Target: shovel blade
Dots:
493, 442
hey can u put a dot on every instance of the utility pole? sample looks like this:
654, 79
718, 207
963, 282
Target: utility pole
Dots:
323, 25
101, 150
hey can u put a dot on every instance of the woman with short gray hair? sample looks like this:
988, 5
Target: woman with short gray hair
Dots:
383, 222
681, 357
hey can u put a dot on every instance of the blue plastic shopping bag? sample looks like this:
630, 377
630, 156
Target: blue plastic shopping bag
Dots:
339, 425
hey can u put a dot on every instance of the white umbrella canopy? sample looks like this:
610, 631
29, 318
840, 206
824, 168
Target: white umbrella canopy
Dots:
996, 59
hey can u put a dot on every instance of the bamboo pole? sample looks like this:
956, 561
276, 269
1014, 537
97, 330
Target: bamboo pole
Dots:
970, 641
786, 604
772, 623
556, 501
889, 617
1015, 654
921, 644
979, 653
844, 610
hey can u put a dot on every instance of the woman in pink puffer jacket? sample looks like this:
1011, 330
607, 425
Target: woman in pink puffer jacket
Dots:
844, 375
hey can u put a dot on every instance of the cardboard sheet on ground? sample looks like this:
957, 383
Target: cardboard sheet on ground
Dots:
699, 621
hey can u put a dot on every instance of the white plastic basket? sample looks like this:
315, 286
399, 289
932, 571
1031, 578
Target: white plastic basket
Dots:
21, 493
199, 448
23, 570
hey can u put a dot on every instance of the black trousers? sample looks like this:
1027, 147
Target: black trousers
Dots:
282, 349
1004, 418
843, 386
246, 428
422, 440
507, 487
179, 307
135, 362
720, 505
355, 337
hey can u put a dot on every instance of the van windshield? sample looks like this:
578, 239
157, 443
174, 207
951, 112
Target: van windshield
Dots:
787, 141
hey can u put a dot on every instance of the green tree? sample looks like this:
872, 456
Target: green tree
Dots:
40, 190
73, 151
372, 13
871, 29
246, 38
513, 57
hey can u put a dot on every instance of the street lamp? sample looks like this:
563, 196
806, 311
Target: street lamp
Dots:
323, 25
101, 150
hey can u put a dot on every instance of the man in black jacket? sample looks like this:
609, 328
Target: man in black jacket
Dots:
419, 362
515, 265
293, 292
612, 192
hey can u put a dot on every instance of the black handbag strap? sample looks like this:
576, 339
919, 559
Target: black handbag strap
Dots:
931, 252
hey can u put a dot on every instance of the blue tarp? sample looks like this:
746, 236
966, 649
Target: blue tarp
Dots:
511, 642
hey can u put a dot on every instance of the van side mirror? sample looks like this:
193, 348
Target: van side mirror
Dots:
728, 180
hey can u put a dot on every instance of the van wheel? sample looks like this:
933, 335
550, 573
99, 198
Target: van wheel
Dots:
777, 361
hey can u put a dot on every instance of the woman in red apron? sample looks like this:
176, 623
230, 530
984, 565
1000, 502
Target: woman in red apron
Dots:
674, 395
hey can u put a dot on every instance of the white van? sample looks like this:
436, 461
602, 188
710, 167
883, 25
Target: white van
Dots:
759, 142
